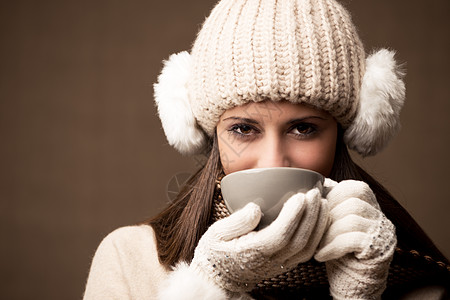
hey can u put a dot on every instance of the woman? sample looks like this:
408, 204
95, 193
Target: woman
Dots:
270, 84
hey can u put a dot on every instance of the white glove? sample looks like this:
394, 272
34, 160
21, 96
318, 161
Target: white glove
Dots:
359, 244
236, 258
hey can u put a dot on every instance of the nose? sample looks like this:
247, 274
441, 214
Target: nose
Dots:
273, 153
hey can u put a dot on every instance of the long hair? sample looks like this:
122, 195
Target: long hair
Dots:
179, 227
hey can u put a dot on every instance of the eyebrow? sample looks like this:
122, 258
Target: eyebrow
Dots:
247, 120
306, 118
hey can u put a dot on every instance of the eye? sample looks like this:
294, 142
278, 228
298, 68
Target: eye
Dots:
303, 129
242, 129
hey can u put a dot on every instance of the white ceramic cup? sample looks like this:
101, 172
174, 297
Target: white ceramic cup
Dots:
267, 187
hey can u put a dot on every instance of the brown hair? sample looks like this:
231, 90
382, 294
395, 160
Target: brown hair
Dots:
179, 227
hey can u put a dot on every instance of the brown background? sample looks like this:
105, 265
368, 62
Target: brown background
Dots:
82, 151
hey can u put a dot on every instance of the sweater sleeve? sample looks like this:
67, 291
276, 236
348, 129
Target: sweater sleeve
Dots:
126, 266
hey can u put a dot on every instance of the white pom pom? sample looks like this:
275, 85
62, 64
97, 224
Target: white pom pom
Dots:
381, 100
171, 97
185, 282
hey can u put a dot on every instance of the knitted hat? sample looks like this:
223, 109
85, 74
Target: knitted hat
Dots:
302, 51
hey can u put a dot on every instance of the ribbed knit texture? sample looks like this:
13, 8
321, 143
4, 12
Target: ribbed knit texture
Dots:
364, 277
359, 245
236, 258
303, 51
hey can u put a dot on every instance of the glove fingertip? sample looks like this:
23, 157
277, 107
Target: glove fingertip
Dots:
327, 253
295, 200
345, 243
252, 208
328, 185
238, 223
328, 182
320, 256
243, 220
252, 213
313, 193
351, 188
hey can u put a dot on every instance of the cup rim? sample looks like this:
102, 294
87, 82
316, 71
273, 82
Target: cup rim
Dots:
257, 170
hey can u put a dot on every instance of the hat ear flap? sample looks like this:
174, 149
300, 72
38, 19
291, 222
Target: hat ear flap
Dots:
172, 101
381, 100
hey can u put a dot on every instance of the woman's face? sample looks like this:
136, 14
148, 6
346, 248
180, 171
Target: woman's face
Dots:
276, 134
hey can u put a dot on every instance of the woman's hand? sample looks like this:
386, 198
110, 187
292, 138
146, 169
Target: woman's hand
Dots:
236, 258
359, 244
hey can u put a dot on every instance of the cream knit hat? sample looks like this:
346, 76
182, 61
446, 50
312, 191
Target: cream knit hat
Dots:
303, 51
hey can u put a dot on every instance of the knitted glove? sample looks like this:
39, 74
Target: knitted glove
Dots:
236, 258
359, 244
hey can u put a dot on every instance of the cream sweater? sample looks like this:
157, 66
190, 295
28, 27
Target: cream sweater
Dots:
126, 266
